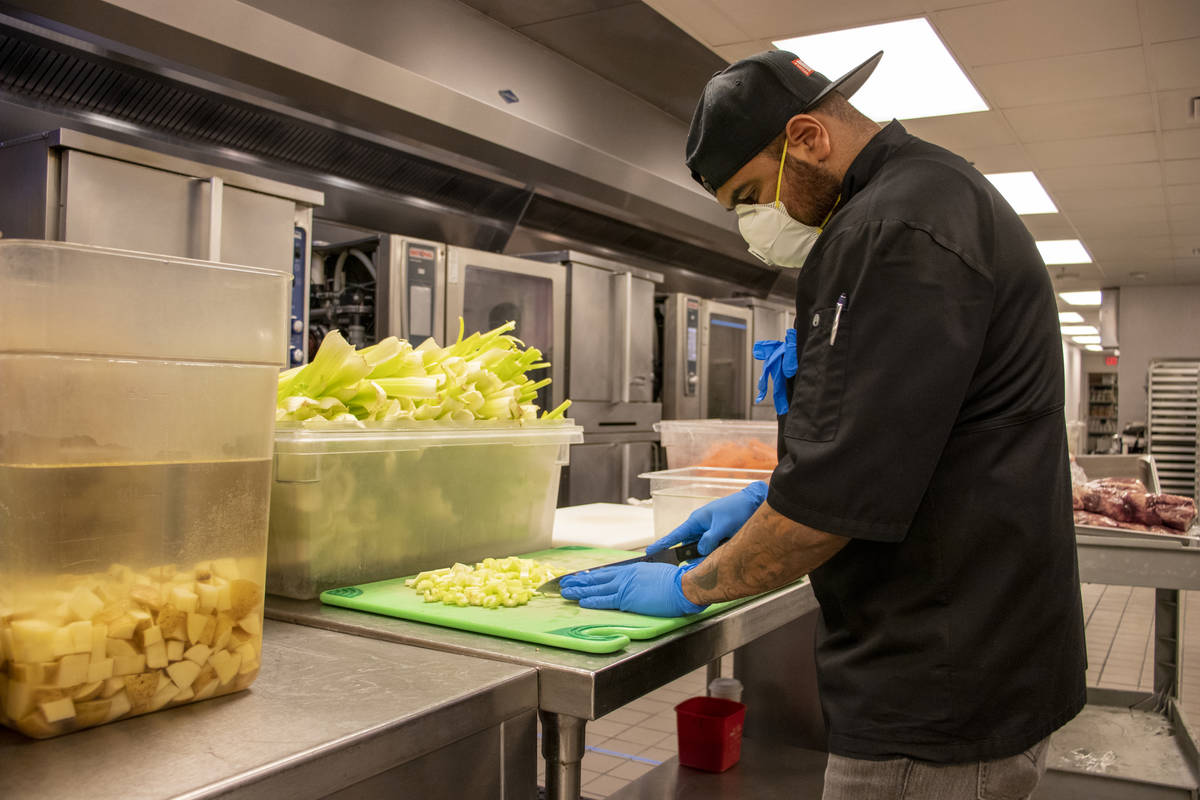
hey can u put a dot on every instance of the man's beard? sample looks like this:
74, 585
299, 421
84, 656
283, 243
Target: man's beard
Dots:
809, 192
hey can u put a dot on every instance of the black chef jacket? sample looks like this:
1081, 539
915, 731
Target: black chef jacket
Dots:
929, 429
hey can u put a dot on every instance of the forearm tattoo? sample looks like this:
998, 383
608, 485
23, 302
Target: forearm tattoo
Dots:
768, 552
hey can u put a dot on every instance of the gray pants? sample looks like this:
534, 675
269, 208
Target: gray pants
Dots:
1012, 778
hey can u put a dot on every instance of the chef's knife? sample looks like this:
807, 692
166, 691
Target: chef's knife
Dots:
672, 555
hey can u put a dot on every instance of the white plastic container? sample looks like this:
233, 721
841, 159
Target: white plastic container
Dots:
678, 492
726, 689
137, 397
355, 505
733, 443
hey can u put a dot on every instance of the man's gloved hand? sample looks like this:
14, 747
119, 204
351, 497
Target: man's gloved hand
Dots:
715, 522
646, 588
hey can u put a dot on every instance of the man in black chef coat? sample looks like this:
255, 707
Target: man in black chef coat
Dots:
923, 479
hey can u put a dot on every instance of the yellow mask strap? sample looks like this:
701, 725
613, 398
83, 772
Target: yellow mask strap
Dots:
825, 221
779, 180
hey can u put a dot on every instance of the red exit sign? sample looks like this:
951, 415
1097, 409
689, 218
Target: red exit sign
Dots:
1110, 361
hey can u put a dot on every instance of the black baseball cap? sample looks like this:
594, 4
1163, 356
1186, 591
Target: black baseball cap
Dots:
747, 104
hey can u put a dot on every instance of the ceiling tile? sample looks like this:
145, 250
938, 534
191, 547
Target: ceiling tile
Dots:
1189, 267
1187, 246
1186, 223
959, 132
1005, 158
1049, 226
1184, 193
778, 19
740, 50
1109, 73
515, 13
1180, 212
1175, 65
1021, 30
1174, 107
1166, 20
701, 19
1126, 149
942, 5
1111, 198
1181, 144
1141, 222
1184, 171
1129, 247
1080, 118
1116, 176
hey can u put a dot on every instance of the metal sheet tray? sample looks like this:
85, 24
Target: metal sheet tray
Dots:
1130, 466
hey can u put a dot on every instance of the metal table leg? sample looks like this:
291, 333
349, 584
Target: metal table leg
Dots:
1167, 626
714, 671
562, 748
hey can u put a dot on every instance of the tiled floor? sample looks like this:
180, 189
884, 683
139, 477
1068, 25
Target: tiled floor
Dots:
634, 739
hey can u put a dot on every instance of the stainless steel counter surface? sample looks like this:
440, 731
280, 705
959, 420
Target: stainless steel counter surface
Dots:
327, 711
578, 684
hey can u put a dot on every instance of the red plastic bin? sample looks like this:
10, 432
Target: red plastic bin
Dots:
710, 732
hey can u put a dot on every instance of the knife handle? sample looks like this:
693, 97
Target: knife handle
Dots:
685, 552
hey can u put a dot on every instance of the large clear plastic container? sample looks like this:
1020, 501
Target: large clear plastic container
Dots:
733, 443
353, 505
676, 493
137, 398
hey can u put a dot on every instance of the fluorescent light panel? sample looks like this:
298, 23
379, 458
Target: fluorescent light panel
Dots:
1069, 316
1095, 348
1024, 192
916, 78
1087, 339
1080, 298
1080, 330
1063, 251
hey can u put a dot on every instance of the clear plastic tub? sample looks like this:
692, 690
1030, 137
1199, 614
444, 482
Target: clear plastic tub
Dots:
676, 493
734, 443
137, 400
354, 505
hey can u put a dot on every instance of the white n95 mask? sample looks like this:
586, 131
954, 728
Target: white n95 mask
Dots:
772, 235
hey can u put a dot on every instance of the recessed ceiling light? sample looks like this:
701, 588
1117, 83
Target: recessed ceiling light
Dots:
1080, 298
1024, 192
1069, 316
1087, 339
1080, 330
1095, 348
1063, 251
916, 78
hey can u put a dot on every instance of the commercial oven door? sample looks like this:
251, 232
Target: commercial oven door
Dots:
489, 289
412, 290
612, 336
727, 353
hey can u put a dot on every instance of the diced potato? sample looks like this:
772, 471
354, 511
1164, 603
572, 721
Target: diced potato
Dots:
226, 568
184, 673
88, 691
173, 623
251, 623
151, 635
141, 689
33, 674
209, 595
207, 688
198, 654
72, 670
249, 658
116, 648
100, 670
129, 665
244, 679
120, 706
147, 595
84, 605
92, 712
184, 695
120, 573
58, 710
99, 647
21, 699
195, 626
221, 636
81, 637
163, 573
141, 619
112, 686
33, 640
156, 656
245, 596
122, 627
226, 664
163, 696
224, 596
184, 599
203, 570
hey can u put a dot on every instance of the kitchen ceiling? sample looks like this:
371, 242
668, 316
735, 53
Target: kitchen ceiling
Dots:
1093, 96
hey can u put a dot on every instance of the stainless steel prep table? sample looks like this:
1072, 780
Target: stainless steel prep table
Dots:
575, 687
329, 716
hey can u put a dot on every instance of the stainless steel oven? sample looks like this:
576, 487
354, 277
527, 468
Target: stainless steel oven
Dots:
706, 359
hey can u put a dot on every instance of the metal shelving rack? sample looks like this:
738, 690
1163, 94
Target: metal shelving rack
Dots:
1172, 433
1102, 411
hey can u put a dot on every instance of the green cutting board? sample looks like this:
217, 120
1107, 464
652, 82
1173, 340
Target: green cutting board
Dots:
547, 619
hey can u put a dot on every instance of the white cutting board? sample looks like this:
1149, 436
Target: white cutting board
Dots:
611, 525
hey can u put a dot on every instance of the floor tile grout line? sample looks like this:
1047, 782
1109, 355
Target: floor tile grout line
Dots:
1108, 653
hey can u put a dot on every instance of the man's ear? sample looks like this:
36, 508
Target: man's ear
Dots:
808, 138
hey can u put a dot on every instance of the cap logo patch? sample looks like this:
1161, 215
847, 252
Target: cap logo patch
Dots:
800, 65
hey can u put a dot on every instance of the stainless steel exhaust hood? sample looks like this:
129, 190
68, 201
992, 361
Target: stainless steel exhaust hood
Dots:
468, 174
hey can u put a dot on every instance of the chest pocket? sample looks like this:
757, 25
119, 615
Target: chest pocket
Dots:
820, 381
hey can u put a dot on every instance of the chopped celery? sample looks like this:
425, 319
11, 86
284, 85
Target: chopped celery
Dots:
491, 583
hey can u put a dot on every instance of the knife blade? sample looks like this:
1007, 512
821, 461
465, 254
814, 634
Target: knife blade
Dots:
672, 555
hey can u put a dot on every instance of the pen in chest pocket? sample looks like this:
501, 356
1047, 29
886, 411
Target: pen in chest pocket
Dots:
837, 318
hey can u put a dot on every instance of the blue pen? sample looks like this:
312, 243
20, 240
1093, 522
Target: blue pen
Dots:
837, 317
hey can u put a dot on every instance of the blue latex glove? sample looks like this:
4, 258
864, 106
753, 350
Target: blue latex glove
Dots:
646, 588
717, 521
780, 362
